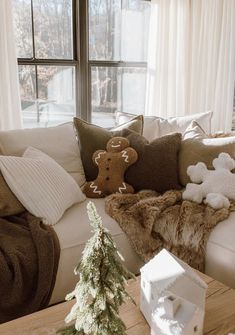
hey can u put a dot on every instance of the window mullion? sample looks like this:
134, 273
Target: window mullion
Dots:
75, 29
37, 93
57, 62
85, 104
36, 67
33, 37
105, 63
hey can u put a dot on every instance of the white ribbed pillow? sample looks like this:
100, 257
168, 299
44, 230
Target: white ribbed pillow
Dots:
43, 187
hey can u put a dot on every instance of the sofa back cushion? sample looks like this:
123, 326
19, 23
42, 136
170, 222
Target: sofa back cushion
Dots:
155, 126
151, 124
57, 142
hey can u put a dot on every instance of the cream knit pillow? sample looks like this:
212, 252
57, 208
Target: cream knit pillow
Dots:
43, 187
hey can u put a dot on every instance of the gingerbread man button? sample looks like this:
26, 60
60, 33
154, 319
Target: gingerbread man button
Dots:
112, 165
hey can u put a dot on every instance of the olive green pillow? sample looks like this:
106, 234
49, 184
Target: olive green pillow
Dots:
197, 146
92, 138
9, 204
157, 165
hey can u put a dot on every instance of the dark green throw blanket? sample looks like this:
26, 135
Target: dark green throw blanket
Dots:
29, 256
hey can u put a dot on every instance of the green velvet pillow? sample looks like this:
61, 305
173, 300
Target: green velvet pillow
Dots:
92, 138
157, 165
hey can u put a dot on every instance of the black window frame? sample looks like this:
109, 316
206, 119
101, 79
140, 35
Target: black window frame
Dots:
74, 61
80, 60
89, 63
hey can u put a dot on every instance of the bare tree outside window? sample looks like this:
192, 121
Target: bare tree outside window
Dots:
47, 43
44, 39
118, 37
53, 29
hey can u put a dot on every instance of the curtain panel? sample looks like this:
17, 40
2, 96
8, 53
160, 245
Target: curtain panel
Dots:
191, 59
10, 109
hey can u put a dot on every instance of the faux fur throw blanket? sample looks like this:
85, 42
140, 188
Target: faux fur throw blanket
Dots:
152, 222
29, 256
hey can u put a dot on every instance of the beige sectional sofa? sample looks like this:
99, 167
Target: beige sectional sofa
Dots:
73, 228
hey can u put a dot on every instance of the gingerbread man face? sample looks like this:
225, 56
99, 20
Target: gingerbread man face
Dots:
117, 144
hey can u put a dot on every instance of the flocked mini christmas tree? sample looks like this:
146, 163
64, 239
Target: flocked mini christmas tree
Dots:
101, 288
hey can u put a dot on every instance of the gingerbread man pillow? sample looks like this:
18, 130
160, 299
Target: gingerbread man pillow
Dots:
112, 165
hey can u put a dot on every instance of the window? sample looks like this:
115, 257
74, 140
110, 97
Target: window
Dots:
108, 74
118, 32
47, 60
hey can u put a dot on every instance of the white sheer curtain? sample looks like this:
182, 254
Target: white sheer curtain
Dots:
10, 111
191, 65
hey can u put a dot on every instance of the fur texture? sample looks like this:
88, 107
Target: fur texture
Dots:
152, 222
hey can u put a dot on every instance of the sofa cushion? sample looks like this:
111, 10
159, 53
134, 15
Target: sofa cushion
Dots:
151, 124
180, 123
44, 188
157, 165
155, 126
57, 142
220, 252
92, 138
197, 146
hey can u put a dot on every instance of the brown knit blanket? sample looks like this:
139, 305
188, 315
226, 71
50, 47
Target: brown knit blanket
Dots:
152, 222
29, 255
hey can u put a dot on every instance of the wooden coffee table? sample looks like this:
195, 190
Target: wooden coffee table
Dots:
219, 319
